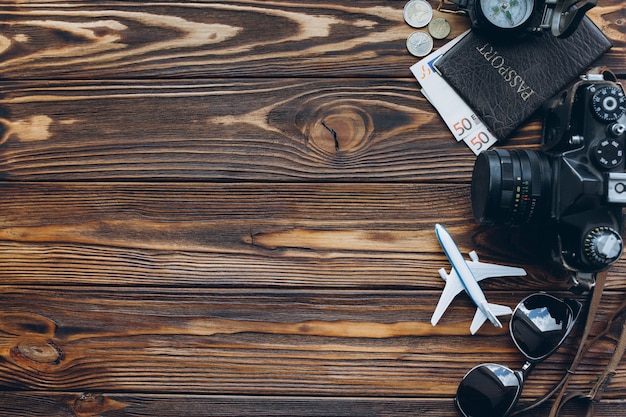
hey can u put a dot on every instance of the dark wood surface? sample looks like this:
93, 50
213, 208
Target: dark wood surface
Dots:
228, 208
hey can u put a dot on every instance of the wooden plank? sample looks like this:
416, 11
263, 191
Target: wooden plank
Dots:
33, 404
222, 130
120, 39
251, 235
290, 267
242, 342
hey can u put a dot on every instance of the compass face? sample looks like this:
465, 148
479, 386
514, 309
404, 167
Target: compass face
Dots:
507, 14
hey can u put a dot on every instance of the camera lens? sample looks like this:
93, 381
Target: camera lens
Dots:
511, 187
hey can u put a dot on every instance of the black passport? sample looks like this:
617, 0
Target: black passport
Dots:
505, 82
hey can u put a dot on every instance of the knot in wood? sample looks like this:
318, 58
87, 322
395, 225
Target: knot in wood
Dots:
88, 405
344, 128
38, 351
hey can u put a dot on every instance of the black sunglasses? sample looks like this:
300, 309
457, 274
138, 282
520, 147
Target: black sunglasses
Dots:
539, 325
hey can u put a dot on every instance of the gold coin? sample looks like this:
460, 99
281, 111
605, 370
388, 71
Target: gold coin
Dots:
439, 28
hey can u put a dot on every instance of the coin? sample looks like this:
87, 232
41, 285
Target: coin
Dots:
417, 13
419, 43
439, 28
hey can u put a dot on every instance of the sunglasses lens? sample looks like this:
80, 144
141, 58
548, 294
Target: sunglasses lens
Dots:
540, 323
489, 390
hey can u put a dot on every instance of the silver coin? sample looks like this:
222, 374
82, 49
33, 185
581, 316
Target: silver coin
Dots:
439, 28
417, 13
419, 43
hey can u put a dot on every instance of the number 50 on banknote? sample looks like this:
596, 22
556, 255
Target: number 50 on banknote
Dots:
458, 116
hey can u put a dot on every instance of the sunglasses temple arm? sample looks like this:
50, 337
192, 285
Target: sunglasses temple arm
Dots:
545, 397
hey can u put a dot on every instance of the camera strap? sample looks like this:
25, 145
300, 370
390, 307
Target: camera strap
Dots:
605, 72
595, 393
594, 303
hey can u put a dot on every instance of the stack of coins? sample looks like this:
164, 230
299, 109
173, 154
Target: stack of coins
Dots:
419, 14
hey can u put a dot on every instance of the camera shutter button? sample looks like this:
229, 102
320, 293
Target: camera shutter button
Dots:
603, 246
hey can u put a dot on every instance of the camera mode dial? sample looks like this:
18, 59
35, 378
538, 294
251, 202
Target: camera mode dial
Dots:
603, 246
609, 154
608, 103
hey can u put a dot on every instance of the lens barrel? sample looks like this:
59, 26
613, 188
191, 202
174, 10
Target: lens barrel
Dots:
511, 187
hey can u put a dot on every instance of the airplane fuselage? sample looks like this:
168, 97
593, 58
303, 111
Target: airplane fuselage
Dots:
465, 274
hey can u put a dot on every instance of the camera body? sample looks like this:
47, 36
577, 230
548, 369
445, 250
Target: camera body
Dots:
572, 190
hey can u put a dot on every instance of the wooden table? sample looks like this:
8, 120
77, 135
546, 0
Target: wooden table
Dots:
221, 208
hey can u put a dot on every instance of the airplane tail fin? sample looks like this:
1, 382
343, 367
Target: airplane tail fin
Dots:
493, 311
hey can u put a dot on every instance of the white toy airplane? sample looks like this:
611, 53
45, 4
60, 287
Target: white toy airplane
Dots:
465, 275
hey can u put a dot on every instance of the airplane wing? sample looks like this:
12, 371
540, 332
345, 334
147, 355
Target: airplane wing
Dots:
482, 270
480, 318
452, 288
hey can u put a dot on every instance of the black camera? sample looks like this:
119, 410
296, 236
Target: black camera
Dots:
573, 190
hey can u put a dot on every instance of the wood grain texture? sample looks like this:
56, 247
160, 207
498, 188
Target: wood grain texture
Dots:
226, 208
252, 235
307, 130
314, 342
121, 39
298, 128
118, 405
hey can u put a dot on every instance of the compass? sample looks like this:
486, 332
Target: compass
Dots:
516, 18
507, 14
